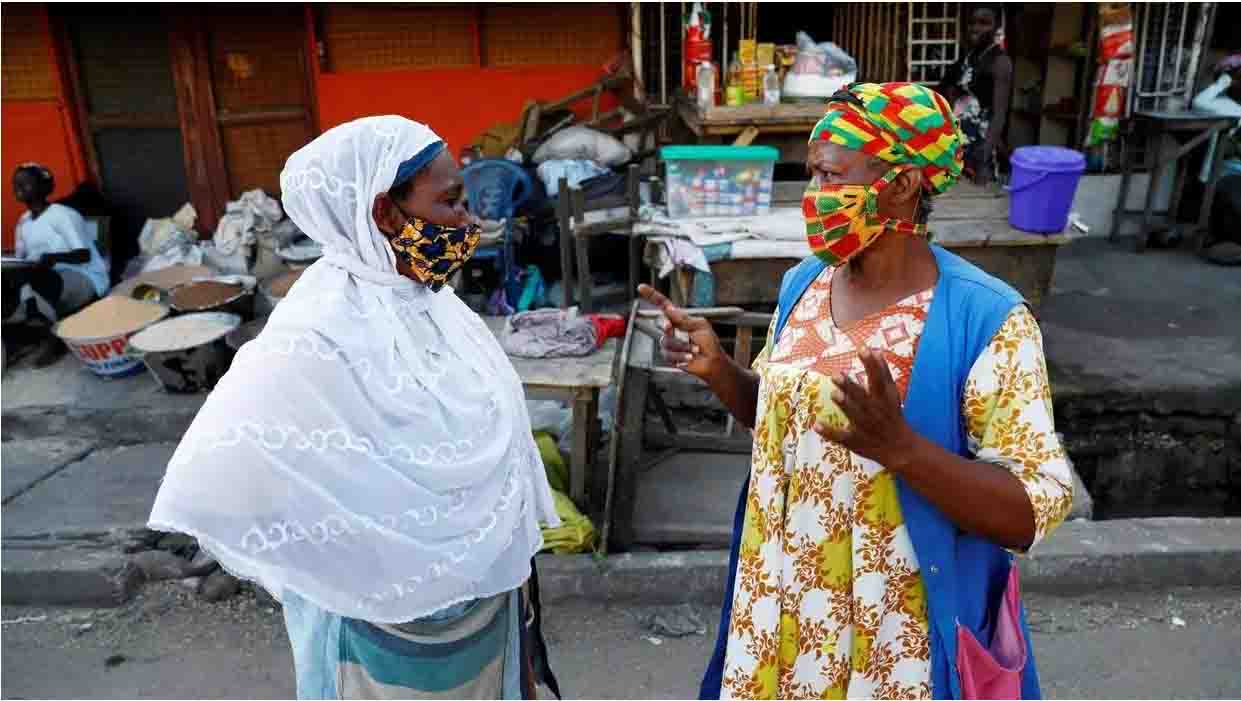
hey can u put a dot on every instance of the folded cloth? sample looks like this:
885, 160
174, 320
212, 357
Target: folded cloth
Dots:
549, 333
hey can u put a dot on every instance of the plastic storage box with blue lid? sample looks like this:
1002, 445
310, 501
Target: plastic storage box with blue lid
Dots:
718, 181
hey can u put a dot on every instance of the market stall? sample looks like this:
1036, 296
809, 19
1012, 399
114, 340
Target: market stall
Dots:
740, 261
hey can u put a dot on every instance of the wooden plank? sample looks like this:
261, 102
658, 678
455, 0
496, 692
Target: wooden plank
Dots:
965, 189
706, 312
618, 428
658, 439
642, 354
76, 90
565, 223
585, 413
206, 173
723, 130
747, 136
749, 281
227, 118
762, 115
971, 208
134, 121
630, 462
743, 349
989, 232
581, 246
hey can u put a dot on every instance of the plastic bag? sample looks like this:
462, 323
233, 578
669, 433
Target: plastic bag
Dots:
576, 172
819, 69
553, 464
583, 144
170, 241
1114, 74
547, 416
575, 534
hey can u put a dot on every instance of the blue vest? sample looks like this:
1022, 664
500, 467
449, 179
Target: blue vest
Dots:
964, 574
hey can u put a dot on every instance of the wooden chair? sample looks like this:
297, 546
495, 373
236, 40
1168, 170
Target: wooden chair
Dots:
615, 216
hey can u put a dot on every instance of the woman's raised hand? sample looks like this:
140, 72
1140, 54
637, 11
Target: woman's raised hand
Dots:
695, 349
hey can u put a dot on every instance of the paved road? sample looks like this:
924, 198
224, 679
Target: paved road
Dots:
166, 644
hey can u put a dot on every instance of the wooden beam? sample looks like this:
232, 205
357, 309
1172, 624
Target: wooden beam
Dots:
699, 442
77, 90
206, 176
747, 136
310, 62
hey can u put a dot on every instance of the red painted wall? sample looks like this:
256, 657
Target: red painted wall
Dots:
459, 104
39, 131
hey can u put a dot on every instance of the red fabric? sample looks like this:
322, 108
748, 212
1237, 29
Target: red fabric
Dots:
607, 326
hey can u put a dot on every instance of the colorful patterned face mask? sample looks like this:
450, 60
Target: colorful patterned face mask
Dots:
435, 252
842, 220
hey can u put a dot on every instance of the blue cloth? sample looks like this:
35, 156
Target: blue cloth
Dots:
410, 168
964, 575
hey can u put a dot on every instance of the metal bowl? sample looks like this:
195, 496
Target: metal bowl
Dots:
241, 304
193, 368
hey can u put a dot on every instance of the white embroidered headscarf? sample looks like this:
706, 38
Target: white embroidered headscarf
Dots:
370, 450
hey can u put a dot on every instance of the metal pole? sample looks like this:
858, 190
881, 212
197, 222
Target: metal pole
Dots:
639, 88
681, 42
909, 58
663, 55
724, 78
1134, 102
1163, 52
1180, 48
1206, 27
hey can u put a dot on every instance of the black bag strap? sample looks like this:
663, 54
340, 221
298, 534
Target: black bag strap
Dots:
532, 627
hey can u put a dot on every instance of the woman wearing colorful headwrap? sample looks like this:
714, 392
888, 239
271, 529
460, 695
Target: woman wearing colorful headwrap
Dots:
368, 459
904, 447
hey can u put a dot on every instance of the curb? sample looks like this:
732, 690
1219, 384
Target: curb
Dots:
83, 570
107, 427
1082, 556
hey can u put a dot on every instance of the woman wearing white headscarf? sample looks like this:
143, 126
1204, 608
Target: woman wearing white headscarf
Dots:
368, 459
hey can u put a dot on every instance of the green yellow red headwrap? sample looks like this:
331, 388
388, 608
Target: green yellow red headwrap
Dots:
901, 123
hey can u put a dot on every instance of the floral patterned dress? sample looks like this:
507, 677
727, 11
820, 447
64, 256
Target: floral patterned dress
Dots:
829, 601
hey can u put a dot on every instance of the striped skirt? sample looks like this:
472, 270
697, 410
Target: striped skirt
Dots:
472, 650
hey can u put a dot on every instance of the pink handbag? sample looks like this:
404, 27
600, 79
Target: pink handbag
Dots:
995, 672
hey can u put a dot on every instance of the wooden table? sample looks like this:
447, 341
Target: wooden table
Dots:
972, 222
789, 124
1198, 127
575, 380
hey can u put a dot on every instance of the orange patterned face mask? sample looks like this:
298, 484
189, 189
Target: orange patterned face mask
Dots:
435, 252
842, 220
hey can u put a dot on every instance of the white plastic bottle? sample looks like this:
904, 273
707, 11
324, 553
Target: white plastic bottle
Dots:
771, 86
705, 78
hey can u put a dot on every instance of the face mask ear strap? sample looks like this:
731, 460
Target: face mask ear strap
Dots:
894, 224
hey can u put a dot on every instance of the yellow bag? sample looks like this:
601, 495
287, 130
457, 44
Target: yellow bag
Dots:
576, 534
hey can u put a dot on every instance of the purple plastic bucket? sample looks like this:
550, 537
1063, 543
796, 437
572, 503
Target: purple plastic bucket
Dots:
1041, 192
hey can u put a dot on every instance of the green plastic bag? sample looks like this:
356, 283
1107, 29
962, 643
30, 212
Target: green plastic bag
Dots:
553, 462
